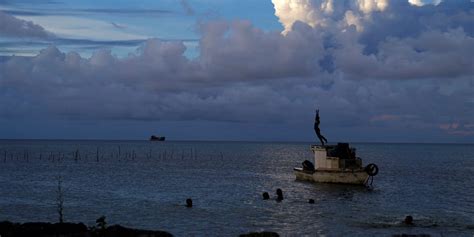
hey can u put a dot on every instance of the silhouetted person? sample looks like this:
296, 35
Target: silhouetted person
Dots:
317, 130
311, 201
408, 220
265, 196
279, 194
189, 202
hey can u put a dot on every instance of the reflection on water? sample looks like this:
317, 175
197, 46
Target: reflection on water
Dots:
145, 185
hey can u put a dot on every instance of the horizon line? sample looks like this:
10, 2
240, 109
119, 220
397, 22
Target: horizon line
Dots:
215, 140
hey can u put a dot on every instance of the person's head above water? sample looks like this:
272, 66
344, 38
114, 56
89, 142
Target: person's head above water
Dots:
408, 220
279, 194
189, 202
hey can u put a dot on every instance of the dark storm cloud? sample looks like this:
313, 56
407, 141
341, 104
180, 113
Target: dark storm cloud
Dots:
401, 20
17, 2
139, 12
26, 13
160, 82
11, 26
433, 54
420, 79
68, 12
64, 41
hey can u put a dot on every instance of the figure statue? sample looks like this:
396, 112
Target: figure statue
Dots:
317, 130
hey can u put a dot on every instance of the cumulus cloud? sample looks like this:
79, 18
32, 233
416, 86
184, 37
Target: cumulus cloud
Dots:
241, 51
11, 26
361, 72
382, 39
159, 82
288, 12
433, 54
324, 13
368, 6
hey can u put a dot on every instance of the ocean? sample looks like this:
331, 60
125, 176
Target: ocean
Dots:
143, 184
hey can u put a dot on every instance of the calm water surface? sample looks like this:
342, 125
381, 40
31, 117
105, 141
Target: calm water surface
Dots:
144, 185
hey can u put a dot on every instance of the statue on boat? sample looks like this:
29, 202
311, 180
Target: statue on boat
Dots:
317, 130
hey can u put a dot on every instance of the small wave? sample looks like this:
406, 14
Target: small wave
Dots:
418, 223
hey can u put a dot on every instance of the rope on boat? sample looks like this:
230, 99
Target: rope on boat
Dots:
371, 178
372, 170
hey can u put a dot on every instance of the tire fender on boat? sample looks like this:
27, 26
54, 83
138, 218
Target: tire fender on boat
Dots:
372, 169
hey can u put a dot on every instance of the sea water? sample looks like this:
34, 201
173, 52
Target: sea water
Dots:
143, 184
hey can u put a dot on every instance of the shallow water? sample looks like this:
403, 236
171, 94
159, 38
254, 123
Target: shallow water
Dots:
144, 185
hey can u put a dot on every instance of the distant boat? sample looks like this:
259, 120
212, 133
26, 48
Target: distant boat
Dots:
159, 139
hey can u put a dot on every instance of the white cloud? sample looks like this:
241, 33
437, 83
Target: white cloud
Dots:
421, 3
368, 6
324, 13
354, 20
290, 11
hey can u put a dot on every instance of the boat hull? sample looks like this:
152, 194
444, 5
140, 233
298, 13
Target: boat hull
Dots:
356, 177
157, 139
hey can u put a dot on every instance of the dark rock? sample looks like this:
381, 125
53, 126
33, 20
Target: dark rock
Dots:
260, 234
410, 235
120, 231
41, 229
265, 196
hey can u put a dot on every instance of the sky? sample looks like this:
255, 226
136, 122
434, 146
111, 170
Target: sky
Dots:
238, 70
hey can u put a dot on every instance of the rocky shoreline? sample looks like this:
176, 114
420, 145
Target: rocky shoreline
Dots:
44, 229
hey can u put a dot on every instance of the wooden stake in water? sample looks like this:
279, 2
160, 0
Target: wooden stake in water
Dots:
119, 151
60, 199
76, 155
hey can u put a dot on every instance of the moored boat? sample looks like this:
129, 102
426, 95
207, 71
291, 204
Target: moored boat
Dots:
336, 164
